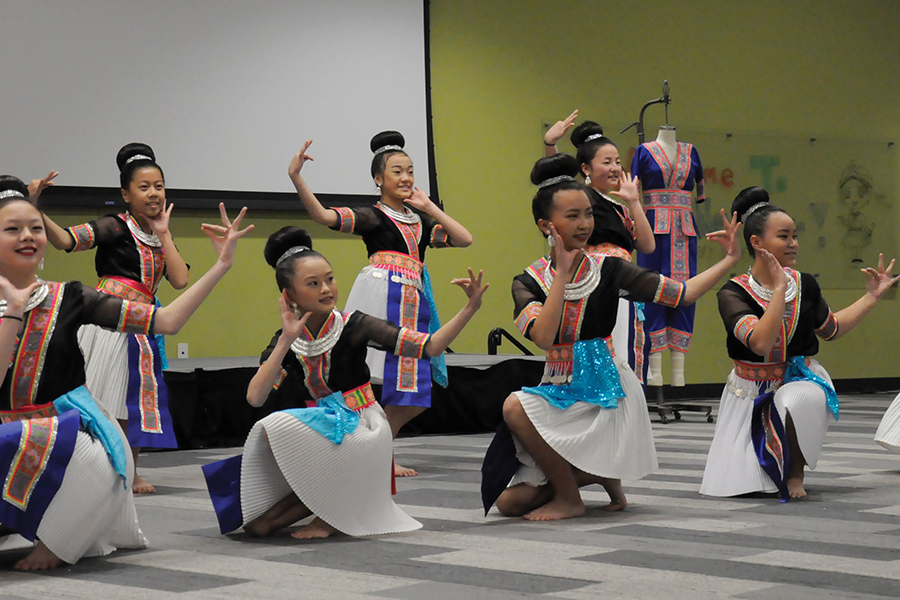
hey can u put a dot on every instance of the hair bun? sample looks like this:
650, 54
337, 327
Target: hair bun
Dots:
387, 138
558, 165
747, 198
128, 152
11, 183
283, 240
585, 130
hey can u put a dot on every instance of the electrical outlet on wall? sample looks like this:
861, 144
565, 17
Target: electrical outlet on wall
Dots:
182, 350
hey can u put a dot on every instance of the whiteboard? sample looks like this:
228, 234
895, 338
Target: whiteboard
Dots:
225, 91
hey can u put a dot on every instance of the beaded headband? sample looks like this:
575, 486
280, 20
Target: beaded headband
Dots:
138, 157
290, 252
555, 180
592, 137
752, 210
11, 194
389, 147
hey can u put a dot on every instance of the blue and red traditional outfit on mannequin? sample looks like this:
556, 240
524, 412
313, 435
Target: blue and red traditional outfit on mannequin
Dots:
749, 451
62, 460
666, 186
124, 372
395, 286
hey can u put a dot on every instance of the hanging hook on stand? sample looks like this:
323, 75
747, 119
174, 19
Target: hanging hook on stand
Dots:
665, 100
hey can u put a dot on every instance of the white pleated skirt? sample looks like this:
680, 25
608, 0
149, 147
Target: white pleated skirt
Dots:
615, 443
732, 468
369, 295
347, 485
106, 368
888, 434
92, 514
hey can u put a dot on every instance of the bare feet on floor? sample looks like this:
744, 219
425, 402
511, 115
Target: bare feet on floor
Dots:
795, 487
40, 558
142, 486
316, 529
404, 471
557, 509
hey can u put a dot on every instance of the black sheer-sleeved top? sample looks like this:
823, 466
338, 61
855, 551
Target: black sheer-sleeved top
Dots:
47, 361
123, 250
384, 229
613, 233
594, 314
805, 317
335, 359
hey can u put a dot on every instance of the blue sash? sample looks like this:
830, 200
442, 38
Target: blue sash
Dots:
595, 379
330, 417
96, 423
798, 371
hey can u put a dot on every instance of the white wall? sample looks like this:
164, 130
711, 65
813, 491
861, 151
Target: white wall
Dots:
225, 91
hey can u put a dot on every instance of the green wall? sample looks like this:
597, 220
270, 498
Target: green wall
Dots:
501, 69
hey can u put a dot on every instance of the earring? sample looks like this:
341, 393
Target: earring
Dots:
297, 311
378, 189
551, 240
587, 180
41, 265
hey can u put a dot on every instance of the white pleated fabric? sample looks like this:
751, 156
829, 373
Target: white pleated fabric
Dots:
106, 367
620, 330
347, 485
92, 514
888, 434
615, 443
369, 295
731, 465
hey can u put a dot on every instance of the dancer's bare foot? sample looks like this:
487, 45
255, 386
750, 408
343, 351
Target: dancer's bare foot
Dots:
557, 509
616, 505
39, 559
795, 487
316, 529
142, 486
617, 500
404, 471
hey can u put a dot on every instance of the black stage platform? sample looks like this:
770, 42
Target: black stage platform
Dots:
207, 397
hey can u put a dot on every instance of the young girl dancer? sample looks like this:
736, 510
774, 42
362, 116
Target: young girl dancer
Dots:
587, 422
332, 461
62, 459
395, 285
772, 315
134, 251
619, 229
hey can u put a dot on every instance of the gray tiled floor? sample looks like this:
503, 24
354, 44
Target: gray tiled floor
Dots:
843, 541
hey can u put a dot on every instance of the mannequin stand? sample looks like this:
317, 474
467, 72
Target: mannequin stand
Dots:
655, 381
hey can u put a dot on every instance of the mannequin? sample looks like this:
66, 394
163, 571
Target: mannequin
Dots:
669, 171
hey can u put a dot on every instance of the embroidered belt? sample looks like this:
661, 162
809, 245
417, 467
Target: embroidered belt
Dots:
558, 368
127, 289
761, 371
608, 249
397, 261
31, 411
360, 398
667, 199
